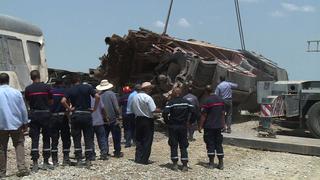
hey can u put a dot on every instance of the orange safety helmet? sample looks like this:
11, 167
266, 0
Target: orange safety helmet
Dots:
126, 89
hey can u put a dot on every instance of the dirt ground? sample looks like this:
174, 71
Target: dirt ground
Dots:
240, 163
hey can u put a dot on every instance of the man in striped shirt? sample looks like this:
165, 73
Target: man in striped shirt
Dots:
177, 115
212, 121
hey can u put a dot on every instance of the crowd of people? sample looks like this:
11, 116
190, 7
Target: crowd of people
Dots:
84, 111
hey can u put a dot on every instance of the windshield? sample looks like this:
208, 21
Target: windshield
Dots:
34, 53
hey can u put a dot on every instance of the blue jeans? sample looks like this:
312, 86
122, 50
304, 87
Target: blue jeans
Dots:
100, 133
116, 136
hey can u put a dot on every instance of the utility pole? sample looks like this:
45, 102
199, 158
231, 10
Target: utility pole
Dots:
236, 3
168, 17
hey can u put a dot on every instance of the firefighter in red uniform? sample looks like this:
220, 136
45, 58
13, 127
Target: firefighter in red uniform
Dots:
39, 98
212, 121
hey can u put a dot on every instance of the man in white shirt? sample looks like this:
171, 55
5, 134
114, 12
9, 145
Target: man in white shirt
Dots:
13, 123
143, 107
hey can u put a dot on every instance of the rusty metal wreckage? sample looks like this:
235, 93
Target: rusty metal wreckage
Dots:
169, 62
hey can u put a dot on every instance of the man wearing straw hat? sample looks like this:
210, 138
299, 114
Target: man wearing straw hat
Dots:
112, 110
143, 107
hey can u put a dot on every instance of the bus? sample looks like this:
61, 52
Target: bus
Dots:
21, 51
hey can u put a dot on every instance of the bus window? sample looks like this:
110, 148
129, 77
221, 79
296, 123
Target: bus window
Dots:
34, 52
18, 61
16, 51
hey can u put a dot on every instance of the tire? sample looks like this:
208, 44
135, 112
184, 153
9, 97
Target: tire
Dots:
313, 121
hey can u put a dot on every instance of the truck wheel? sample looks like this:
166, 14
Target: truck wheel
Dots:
313, 121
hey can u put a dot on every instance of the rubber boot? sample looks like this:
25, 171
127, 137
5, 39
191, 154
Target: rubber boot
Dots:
66, 160
220, 165
184, 166
35, 166
88, 163
55, 159
47, 165
78, 163
211, 162
175, 165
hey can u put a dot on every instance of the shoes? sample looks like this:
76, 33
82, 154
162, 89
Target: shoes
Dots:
211, 162
35, 167
127, 146
220, 165
118, 154
175, 166
66, 162
104, 157
88, 163
142, 162
79, 163
55, 163
211, 166
47, 166
184, 168
22, 173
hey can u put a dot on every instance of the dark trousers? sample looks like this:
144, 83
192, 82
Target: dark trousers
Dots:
40, 122
129, 128
116, 136
82, 123
178, 137
144, 139
191, 130
228, 117
100, 133
17, 137
60, 127
213, 139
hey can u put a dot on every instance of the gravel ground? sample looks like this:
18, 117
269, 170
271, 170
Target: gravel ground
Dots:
240, 163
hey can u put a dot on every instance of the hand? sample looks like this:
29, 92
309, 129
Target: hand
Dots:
70, 109
24, 128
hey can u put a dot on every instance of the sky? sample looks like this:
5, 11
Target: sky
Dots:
74, 30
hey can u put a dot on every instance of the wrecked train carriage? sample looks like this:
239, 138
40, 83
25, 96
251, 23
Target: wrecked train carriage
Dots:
143, 56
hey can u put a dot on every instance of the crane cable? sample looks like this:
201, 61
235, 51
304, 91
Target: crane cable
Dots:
236, 2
